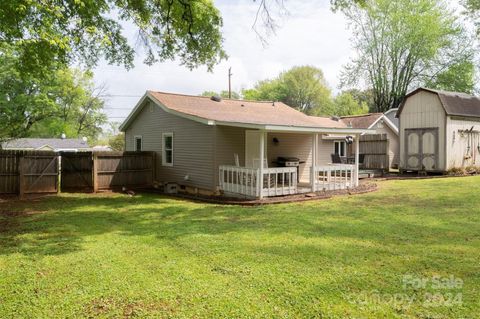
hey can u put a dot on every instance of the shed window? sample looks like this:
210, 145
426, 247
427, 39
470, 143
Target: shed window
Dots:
341, 148
138, 143
167, 149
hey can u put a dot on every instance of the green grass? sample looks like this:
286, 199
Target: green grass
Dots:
150, 256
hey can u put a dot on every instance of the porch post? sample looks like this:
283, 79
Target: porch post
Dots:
262, 159
357, 157
314, 162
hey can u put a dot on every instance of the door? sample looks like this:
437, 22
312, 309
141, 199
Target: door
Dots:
252, 147
421, 149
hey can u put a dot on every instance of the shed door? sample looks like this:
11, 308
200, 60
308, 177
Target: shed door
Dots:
421, 149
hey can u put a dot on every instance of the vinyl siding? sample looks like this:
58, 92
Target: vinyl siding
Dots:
423, 110
193, 146
457, 147
228, 141
294, 145
325, 150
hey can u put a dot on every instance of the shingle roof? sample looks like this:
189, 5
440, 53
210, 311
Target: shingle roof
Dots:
454, 103
240, 111
361, 121
56, 143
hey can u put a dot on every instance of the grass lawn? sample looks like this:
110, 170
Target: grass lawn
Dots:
150, 256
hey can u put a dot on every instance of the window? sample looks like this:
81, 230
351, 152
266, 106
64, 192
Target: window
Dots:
138, 144
167, 149
341, 148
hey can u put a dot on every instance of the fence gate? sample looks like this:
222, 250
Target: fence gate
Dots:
38, 173
76, 171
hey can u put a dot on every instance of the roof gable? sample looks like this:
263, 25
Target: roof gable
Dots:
454, 103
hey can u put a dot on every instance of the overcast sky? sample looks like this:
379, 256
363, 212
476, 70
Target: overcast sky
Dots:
310, 34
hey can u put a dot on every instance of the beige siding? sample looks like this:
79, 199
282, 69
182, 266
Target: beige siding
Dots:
325, 149
296, 145
457, 143
228, 141
393, 143
423, 110
193, 146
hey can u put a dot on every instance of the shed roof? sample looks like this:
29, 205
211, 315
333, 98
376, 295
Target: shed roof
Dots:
260, 114
454, 103
55, 143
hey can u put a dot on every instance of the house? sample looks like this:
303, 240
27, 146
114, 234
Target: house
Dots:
439, 130
47, 144
381, 123
212, 145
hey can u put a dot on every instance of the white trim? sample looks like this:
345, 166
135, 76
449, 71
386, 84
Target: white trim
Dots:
344, 148
135, 137
387, 121
391, 110
166, 134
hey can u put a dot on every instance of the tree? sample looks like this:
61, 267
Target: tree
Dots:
402, 44
362, 96
78, 110
459, 77
47, 104
346, 104
49, 32
473, 9
117, 142
223, 94
302, 87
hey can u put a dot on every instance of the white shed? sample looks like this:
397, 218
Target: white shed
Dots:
439, 131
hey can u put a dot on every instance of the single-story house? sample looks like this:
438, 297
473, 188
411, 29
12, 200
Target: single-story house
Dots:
439, 130
212, 145
381, 123
47, 144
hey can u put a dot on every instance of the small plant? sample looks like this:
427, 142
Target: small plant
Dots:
472, 169
457, 171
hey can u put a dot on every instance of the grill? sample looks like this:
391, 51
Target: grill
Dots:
284, 161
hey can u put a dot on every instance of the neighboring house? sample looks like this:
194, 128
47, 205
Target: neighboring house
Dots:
439, 130
209, 145
382, 124
47, 144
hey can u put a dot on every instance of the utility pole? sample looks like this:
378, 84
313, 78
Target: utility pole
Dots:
230, 82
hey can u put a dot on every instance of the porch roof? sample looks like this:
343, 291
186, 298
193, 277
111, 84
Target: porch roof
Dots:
272, 116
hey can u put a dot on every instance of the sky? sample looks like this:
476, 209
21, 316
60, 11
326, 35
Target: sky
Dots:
309, 33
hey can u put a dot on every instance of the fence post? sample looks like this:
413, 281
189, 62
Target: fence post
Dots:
95, 172
21, 177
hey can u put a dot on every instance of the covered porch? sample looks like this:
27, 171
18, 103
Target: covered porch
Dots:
313, 172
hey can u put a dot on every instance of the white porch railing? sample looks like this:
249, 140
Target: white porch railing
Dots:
334, 176
277, 181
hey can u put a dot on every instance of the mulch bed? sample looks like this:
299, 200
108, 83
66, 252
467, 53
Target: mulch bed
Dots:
365, 187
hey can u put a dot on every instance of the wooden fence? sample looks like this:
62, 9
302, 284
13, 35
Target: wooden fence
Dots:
27, 172
112, 170
24, 172
375, 148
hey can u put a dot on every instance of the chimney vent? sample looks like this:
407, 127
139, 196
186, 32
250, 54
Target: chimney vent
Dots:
216, 98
